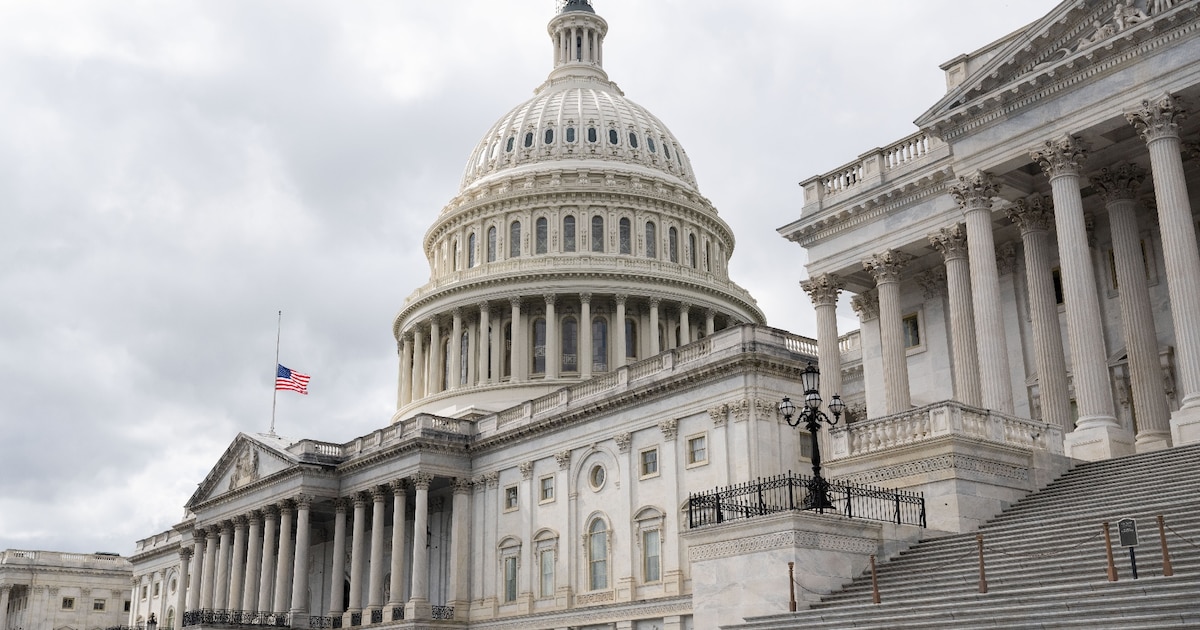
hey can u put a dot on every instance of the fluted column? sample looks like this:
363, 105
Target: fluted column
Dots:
483, 371
517, 350
655, 346
375, 586
1157, 121
433, 381
299, 606
270, 525
455, 379
283, 564
619, 332
974, 195
951, 242
253, 560
198, 551
685, 324
553, 337
337, 573
399, 499
238, 567
210, 568
460, 568
1119, 188
419, 605
1097, 433
356, 554
406, 362
221, 584
586, 342
710, 322
418, 367
885, 268
1034, 217
180, 603
823, 290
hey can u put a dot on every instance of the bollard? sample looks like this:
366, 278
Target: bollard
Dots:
1112, 567
1162, 539
982, 574
792, 586
874, 581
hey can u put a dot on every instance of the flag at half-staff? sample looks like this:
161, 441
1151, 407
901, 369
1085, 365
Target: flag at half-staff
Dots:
290, 380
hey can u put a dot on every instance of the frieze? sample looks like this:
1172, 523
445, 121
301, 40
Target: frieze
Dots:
941, 462
782, 540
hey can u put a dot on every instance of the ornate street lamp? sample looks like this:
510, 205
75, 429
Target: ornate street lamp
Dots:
151, 623
812, 417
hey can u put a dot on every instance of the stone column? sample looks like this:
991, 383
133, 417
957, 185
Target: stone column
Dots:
552, 349
866, 305
497, 358
1158, 123
974, 195
619, 331
655, 346
337, 573
886, 268
237, 570
585, 335
433, 381
685, 324
460, 569
406, 366
375, 586
482, 371
399, 499
1034, 217
265, 595
283, 564
823, 290
1097, 433
4, 591
710, 322
454, 381
198, 552
951, 242
299, 606
210, 568
253, 563
181, 593
356, 556
418, 605
418, 368
221, 583
517, 350
1119, 188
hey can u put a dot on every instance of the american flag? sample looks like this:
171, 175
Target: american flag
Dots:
291, 380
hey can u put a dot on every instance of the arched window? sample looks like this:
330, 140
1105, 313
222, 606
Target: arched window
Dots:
471, 250
599, 344
444, 377
569, 233
631, 341
491, 245
626, 238
673, 244
514, 239
692, 250
651, 240
454, 255
597, 555
508, 146
570, 345
464, 357
506, 369
707, 256
539, 345
542, 236
597, 233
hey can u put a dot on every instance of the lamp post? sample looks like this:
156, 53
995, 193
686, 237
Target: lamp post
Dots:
151, 623
812, 417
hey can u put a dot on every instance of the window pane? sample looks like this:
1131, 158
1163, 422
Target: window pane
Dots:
651, 240
591, 134
630, 339
673, 244
529, 139
612, 136
547, 589
570, 345
569, 234
510, 579
692, 250
653, 553
598, 555
570, 134
508, 147
633, 143
697, 450
514, 239
539, 346
491, 244
549, 136
626, 240
464, 357
543, 236
597, 233
599, 344
650, 462
471, 250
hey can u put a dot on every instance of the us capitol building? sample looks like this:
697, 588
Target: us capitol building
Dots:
580, 367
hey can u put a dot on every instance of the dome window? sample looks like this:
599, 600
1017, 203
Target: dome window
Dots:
508, 146
633, 140
541, 236
598, 233
650, 144
549, 136
528, 139
651, 240
568, 233
570, 134
612, 136
667, 151
591, 134
624, 236
514, 239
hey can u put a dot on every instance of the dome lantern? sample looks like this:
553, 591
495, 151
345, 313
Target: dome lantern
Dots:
578, 37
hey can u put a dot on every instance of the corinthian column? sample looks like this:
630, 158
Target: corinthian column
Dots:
1097, 434
454, 380
337, 573
399, 499
951, 242
823, 290
193, 591
237, 570
655, 346
1034, 217
460, 567
418, 605
375, 586
619, 332
483, 369
356, 556
433, 381
552, 348
585, 336
283, 563
299, 606
210, 568
404, 395
221, 584
517, 348
270, 520
885, 268
418, 365
1119, 188
974, 195
253, 558
1158, 122
185, 557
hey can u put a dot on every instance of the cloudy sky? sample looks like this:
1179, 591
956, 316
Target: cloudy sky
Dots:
172, 174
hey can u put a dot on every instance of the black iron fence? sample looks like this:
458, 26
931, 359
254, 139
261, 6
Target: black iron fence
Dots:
443, 612
788, 492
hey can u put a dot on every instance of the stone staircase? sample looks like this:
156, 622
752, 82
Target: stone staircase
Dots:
1045, 561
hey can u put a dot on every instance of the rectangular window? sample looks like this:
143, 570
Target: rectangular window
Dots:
68, 603
547, 566
157, 585
510, 579
510, 498
697, 449
912, 331
145, 591
651, 556
547, 489
128, 605
649, 462
97, 604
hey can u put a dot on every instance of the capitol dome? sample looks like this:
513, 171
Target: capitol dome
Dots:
578, 244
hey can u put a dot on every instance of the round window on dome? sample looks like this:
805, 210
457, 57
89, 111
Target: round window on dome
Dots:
549, 136
596, 477
612, 136
528, 139
633, 144
591, 134
570, 134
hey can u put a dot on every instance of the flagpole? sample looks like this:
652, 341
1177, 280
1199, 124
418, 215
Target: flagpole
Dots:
275, 390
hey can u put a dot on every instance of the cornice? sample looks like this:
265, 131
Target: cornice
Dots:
829, 222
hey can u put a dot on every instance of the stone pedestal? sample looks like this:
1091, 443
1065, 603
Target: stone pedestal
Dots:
1185, 426
1100, 442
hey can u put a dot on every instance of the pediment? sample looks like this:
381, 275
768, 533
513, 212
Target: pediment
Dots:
248, 459
1075, 35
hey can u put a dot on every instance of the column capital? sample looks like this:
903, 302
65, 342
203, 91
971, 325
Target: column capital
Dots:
211, 532
933, 282
1034, 213
974, 192
620, 298
462, 485
685, 306
515, 301
823, 290
270, 512
623, 441
585, 298
226, 527
286, 507
866, 304
254, 517
1119, 183
563, 458
550, 298
185, 554
654, 301
302, 501
1158, 117
1063, 156
526, 469
421, 480
198, 536
485, 307
950, 242
360, 500
399, 487
379, 493
406, 336
339, 505
457, 312
886, 266
669, 428
240, 521
492, 479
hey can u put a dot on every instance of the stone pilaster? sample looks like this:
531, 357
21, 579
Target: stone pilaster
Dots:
951, 242
460, 568
886, 268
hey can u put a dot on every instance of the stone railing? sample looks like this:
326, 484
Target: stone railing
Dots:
60, 558
872, 167
942, 419
312, 450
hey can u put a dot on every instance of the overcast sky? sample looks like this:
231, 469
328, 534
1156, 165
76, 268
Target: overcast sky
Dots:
174, 173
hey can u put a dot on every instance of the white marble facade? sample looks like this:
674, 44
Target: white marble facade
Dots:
54, 590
